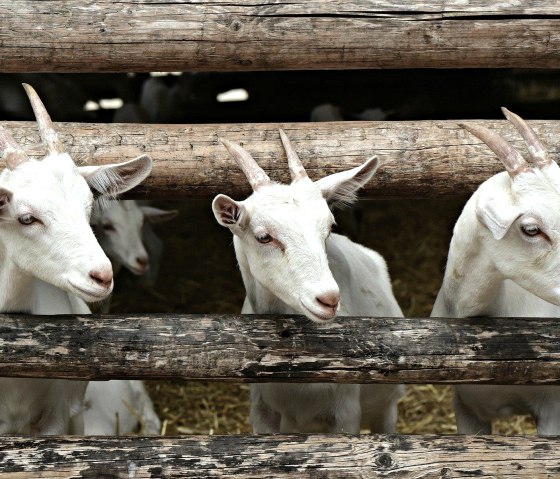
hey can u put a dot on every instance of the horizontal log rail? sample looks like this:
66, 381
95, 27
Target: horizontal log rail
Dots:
209, 35
281, 456
421, 158
259, 348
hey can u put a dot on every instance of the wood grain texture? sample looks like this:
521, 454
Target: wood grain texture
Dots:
209, 35
281, 456
258, 348
420, 158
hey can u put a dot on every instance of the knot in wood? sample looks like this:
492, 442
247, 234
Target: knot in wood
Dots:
286, 333
384, 461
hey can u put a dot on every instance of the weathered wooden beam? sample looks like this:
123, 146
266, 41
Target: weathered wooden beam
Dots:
258, 348
421, 158
209, 35
281, 456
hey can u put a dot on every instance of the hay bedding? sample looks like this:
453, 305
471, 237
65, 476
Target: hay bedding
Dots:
199, 275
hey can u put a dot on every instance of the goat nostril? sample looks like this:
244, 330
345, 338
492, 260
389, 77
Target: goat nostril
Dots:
102, 278
330, 300
142, 262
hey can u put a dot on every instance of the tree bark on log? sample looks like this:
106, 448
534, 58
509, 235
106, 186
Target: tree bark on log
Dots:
258, 348
419, 158
208, 35
280, 456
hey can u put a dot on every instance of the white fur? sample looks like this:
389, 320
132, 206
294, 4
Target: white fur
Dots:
45, 268
288, 274
119, 227
494, 269
124, 230
119, 407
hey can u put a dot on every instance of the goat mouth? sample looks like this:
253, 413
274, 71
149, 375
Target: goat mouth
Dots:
91, 294
320, 315
137, 271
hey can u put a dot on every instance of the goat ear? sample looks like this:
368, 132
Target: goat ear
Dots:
112, 180
5, 198
342, 187
228, 212
155, 215
497, 214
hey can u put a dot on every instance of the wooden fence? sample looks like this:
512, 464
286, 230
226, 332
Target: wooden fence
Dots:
427, 158
420, 158
209, 35
259, 348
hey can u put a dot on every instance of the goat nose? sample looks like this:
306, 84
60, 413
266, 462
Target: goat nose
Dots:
103, 277
143, 262
330, 299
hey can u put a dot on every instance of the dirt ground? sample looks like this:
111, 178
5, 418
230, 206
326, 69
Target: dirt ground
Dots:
199, 275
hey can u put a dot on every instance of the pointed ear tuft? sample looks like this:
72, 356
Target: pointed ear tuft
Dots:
156, 216
341, 188
228, 212
112, 180
497, 214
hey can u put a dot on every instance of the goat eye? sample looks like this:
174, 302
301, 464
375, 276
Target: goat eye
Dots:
530, 230
109, 227
264, 238
27, 220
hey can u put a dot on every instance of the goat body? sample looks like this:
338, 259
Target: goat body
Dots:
504, 260
291, 263
119, 407
50, 261
38, 406
365, 290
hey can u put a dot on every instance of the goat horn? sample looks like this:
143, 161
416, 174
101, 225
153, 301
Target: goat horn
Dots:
46, 128
536, 149
297, 171
254, 173
11, 151
510, 157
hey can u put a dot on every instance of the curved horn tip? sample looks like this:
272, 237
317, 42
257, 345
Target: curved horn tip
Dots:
285, 140
44, 121
464, 126
474, 129
27, 87
230, 146
31, 92
297, 170
509, 114
226, 143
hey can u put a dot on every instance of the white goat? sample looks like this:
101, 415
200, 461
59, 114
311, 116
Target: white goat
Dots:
119, 407
504, 260
51, 261
122, 233
120, 229
291, 263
